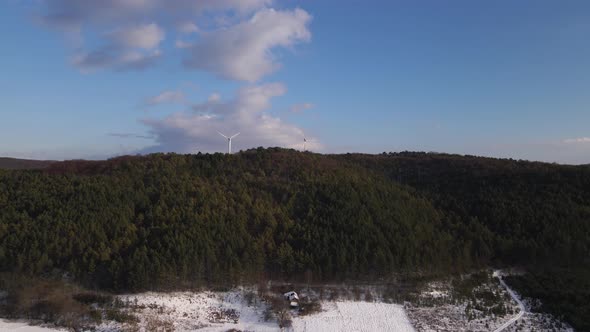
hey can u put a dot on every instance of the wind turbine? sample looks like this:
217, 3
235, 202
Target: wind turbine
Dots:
307, 140
228, 141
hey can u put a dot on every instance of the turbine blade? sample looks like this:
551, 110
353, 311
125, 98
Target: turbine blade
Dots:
235, 135
222, 135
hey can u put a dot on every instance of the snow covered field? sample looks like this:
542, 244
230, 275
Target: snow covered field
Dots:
223, 311
6, 326
356, 316
435, 307
189, 311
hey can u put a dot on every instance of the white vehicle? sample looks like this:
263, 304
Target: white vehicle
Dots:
291, 296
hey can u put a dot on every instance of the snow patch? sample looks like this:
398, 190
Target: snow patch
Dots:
204, 311
356, 316
8, 325
239, 310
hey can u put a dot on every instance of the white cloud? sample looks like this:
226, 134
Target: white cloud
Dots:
577, 140
115, 58
298, 108
147, 36
196, 130
182, 44
214, 98
131, 48
235, 39
118, 24
75, 13
188, 27
166, 97
244, 51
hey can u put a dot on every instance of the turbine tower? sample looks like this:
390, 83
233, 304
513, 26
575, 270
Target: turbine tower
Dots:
228, 141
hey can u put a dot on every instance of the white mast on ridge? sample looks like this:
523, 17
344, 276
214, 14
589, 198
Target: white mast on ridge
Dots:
228, 141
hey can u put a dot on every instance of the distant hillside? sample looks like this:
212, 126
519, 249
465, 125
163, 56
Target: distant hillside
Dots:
14, 163
133, 223
525, 211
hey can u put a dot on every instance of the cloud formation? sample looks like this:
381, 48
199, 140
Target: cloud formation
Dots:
196, 129
244, 51
234, 39
168, 96
577, 140
133, 47
129, 135
188, 27
147, 36
298, 108
72, 14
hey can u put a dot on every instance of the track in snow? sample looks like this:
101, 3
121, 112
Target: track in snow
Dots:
520, 305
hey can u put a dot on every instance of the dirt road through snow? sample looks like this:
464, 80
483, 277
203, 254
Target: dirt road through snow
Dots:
520, 304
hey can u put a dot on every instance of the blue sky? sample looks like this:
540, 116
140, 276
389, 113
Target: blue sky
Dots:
87, 79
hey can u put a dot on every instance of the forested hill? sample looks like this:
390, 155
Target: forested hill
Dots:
14, 163
525, 211
131, 223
